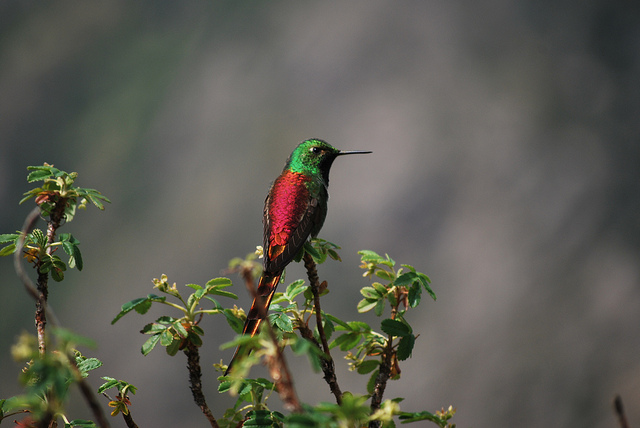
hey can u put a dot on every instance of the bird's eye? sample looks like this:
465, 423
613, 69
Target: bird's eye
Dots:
315, 150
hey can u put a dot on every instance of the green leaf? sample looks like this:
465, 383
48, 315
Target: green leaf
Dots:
195, 339
395, 328
366, 305
173, 347
9, 237
379, 309
380, 288
222, 281
359, 326
110, 383
415, 293
182, 332
370, 293
80, 423
8, 250
150, 344
383, 274
40, 173
70, 246
405, 347
406, 417
368, 366
88, 364
283, 323
406, 279
317, 257
372, 381
223, 293
368, 256
347, 341
295, 288
336, 320
234, 322
166, 338
140, 305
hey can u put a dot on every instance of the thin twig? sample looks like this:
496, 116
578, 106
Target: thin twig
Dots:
618, 408
328, 367
384, 372
312, 273
278, 368
41, 303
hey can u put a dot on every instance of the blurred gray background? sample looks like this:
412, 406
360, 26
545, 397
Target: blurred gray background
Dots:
506, 166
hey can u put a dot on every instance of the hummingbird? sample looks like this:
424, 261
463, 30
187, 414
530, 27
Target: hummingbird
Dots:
294, 210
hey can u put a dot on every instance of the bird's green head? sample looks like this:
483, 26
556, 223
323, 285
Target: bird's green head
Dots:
314, 157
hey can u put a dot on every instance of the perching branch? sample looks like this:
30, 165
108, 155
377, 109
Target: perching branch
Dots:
328, 368
195, 381
384, 372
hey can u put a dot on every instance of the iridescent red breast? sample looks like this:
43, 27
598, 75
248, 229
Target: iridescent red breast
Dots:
288, 201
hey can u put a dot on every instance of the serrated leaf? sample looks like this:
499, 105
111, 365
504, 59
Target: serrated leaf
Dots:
415, 293
234, 322
395, 328
8, 250
173, 347
369, 256
366, 305
347, 341
317, 257
379, 308
370, 293
383, 274
295, 288
223, 293
359, 326
224, 386
284, 323
150, 344
222, 281
153, 328
195, 339
140, 305
110, 383
368, 366
9, 237
182, 332
406, 279
39, 173
87, 365
329, 328
405, 347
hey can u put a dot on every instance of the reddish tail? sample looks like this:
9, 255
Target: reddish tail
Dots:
266, 289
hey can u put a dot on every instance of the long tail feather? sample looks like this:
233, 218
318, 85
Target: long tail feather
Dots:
266, 289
